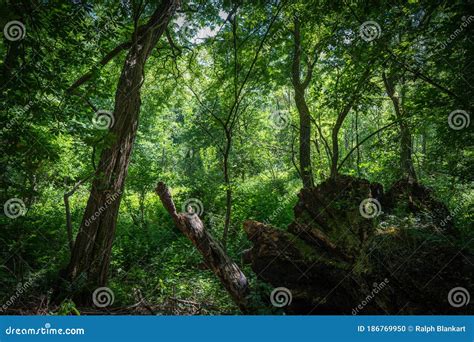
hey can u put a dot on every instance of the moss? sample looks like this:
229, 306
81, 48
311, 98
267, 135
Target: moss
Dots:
362, 264
312, 254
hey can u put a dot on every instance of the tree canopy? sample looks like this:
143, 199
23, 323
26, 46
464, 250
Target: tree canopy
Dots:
239, 107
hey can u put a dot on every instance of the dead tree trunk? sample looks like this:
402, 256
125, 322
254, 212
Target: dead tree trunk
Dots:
92, 248
219, 262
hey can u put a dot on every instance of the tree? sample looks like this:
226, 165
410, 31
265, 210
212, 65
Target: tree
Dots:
341, 116
225, 111
93, 244
239, 110
406, 146
303, 110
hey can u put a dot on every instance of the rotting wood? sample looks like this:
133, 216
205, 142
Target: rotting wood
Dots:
220, 263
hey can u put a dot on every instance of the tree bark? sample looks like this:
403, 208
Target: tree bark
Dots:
90, 257
219, 262
228, 132
406, 145
303, 110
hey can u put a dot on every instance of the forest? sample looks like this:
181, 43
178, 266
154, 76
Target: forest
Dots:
229, 157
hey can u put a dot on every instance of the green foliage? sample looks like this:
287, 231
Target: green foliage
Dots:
50, 143
67, 308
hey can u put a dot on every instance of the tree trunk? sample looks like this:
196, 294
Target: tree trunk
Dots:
406, 148
228, 191
215, 257
335, 138
335, 150
92, 248
303, 110
316, 258
305, 137
406, 145
68, 212
357, 142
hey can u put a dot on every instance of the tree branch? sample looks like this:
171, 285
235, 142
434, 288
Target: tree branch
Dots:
86, 77
364, 140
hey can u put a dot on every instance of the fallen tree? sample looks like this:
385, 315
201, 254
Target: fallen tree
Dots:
343, 254
338, 257
218, 261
